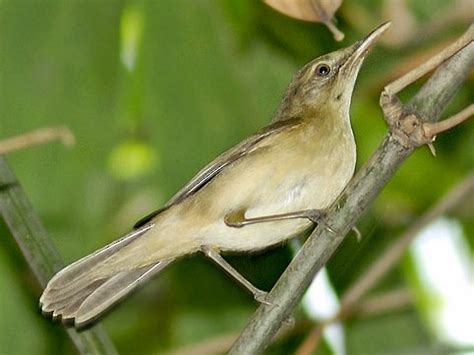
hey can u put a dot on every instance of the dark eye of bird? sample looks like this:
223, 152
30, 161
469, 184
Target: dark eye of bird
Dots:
322, 70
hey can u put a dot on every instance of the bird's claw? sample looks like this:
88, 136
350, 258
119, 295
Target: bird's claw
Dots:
234, 224
319, 218
260, 296
235, 219
358, 234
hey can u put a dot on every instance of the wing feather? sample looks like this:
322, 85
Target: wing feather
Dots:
210, 171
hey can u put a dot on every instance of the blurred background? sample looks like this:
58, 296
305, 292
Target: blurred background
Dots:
154, 90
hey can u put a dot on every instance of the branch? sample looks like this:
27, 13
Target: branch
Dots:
430, 101
351, 299
40, 253
39, 136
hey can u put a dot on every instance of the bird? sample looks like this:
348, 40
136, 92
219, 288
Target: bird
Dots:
266, 190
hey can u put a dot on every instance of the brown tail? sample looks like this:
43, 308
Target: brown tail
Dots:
81, 292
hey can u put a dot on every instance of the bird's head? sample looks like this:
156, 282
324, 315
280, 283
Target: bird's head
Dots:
326, 83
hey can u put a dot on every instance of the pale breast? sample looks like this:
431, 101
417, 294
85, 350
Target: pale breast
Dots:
309, 171
293, 174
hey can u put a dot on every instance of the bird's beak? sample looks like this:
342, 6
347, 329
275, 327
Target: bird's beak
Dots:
358, 51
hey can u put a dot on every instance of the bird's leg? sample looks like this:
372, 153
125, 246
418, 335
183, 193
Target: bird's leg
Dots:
213, 253
237, 219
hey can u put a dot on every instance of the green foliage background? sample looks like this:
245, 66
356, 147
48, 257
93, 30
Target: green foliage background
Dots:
207, 74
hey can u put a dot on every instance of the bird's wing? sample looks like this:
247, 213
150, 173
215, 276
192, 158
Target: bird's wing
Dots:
210, 171
217, 165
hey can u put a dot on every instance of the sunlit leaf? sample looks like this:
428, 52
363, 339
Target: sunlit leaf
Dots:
131, 28
310, 10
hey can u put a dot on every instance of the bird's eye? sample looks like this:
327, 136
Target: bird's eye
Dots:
322, 70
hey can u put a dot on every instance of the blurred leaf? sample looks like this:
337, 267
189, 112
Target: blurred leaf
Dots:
390, 334
131, 29
310, 10
191, 326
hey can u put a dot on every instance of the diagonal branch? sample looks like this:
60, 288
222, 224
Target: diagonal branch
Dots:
429, 102
390, 258
351, 300
40, 253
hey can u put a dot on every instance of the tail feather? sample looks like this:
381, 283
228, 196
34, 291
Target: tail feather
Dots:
51, 304
56, 297
73, 272
113, 291
79, 294
66, 310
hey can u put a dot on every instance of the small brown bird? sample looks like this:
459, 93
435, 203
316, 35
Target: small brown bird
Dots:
267, 189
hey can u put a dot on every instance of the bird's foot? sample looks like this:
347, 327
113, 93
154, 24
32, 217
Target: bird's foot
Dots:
237, 218
319, 217
260, 296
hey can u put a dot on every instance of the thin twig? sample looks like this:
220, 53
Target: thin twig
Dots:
382, 303
312, 341
40, 253
432, 129
352, 203
459, 12
37, 137
401, 83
